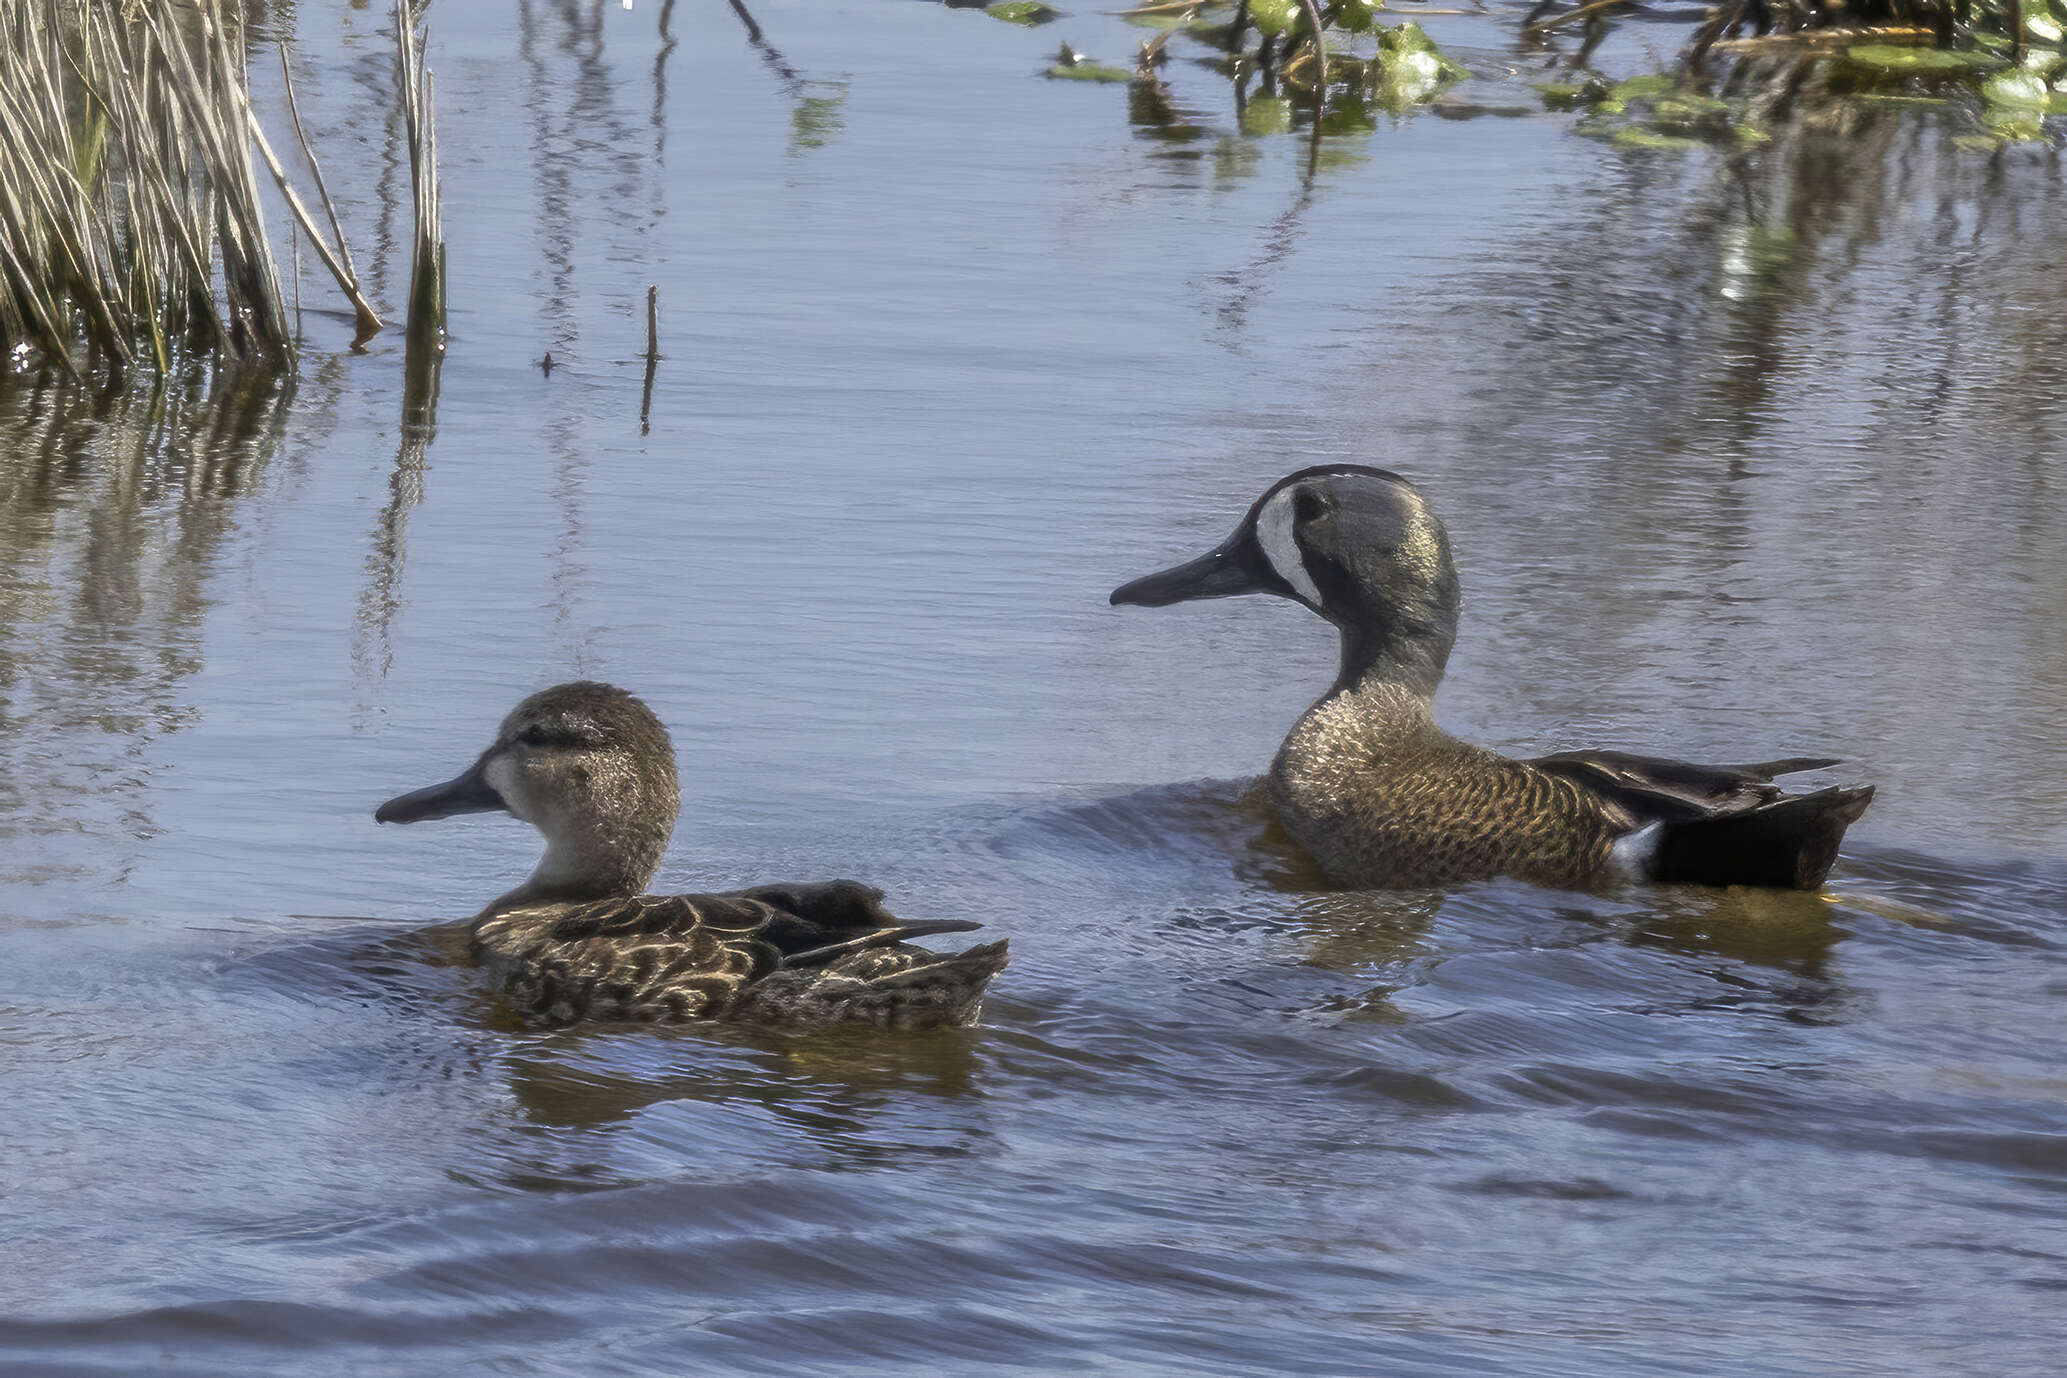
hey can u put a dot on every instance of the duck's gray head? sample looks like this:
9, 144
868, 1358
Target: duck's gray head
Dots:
590, 767
1359, 546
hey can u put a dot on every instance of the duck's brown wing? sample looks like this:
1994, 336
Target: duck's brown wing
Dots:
815, 921
641, 957
1658, 789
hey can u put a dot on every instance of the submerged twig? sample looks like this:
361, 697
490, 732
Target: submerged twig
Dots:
652, 356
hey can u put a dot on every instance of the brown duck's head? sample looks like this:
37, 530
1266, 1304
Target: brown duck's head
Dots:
1359, 546
591, 768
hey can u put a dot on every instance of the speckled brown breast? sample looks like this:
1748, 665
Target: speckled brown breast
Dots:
1383, 798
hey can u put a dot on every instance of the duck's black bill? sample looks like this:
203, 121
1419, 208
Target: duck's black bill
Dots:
468, 792
1234, 568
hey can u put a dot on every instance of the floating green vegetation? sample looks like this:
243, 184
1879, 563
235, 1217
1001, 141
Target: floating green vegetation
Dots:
1676, 112
1335, 59
1636, 136
1071, 65
2010, 99
1753, 66
1999, 61
1886, 57
1027, 12
1656, 113
1894, 34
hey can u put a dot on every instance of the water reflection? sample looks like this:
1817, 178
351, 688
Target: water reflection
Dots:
387, 545
830, 1086
114, 509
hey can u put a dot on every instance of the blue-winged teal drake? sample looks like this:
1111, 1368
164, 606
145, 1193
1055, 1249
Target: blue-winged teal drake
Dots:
1382, 797
592, 769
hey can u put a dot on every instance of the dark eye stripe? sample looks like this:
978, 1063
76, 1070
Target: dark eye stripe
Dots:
565, 736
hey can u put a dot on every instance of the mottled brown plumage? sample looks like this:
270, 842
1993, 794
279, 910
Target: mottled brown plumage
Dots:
1383, 797
593, 769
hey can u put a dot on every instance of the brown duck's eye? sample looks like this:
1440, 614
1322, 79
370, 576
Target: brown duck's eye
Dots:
550, 735
1307, 505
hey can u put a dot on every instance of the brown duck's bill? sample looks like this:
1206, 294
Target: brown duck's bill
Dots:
1236, 567
467, 792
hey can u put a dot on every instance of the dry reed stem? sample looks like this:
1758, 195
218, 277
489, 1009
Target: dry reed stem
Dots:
426, 327
130, 213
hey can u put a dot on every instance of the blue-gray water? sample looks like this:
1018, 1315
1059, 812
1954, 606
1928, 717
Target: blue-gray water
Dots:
1742, 456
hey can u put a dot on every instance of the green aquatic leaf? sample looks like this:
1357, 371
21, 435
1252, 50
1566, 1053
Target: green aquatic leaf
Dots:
1634, 136
1643, 88
1087, 71
1564, 95
1689, 105
1408, 80
1273, 16
1887, 57
1358, 16
2019, 90
1408, 37
1027, 12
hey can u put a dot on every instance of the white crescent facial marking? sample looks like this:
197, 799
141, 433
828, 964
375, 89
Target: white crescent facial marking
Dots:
501, 775
1281, 547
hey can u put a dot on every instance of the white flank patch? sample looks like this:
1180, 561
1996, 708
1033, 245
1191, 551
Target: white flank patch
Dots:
1632, 853
1281, 547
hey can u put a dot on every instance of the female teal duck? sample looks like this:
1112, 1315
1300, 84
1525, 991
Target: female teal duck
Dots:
592, 768
1382, 797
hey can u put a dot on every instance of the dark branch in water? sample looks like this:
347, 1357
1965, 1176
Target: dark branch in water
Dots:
768, 50
652, 357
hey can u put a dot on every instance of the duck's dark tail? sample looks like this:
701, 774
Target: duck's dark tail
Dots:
1790, 843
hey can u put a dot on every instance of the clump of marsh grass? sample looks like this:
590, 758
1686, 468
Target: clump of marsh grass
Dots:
130, 219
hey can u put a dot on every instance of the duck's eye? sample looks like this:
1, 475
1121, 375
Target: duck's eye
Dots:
562, 736
1308, 505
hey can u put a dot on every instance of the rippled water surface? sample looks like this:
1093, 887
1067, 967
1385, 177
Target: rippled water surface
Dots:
1742, 457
